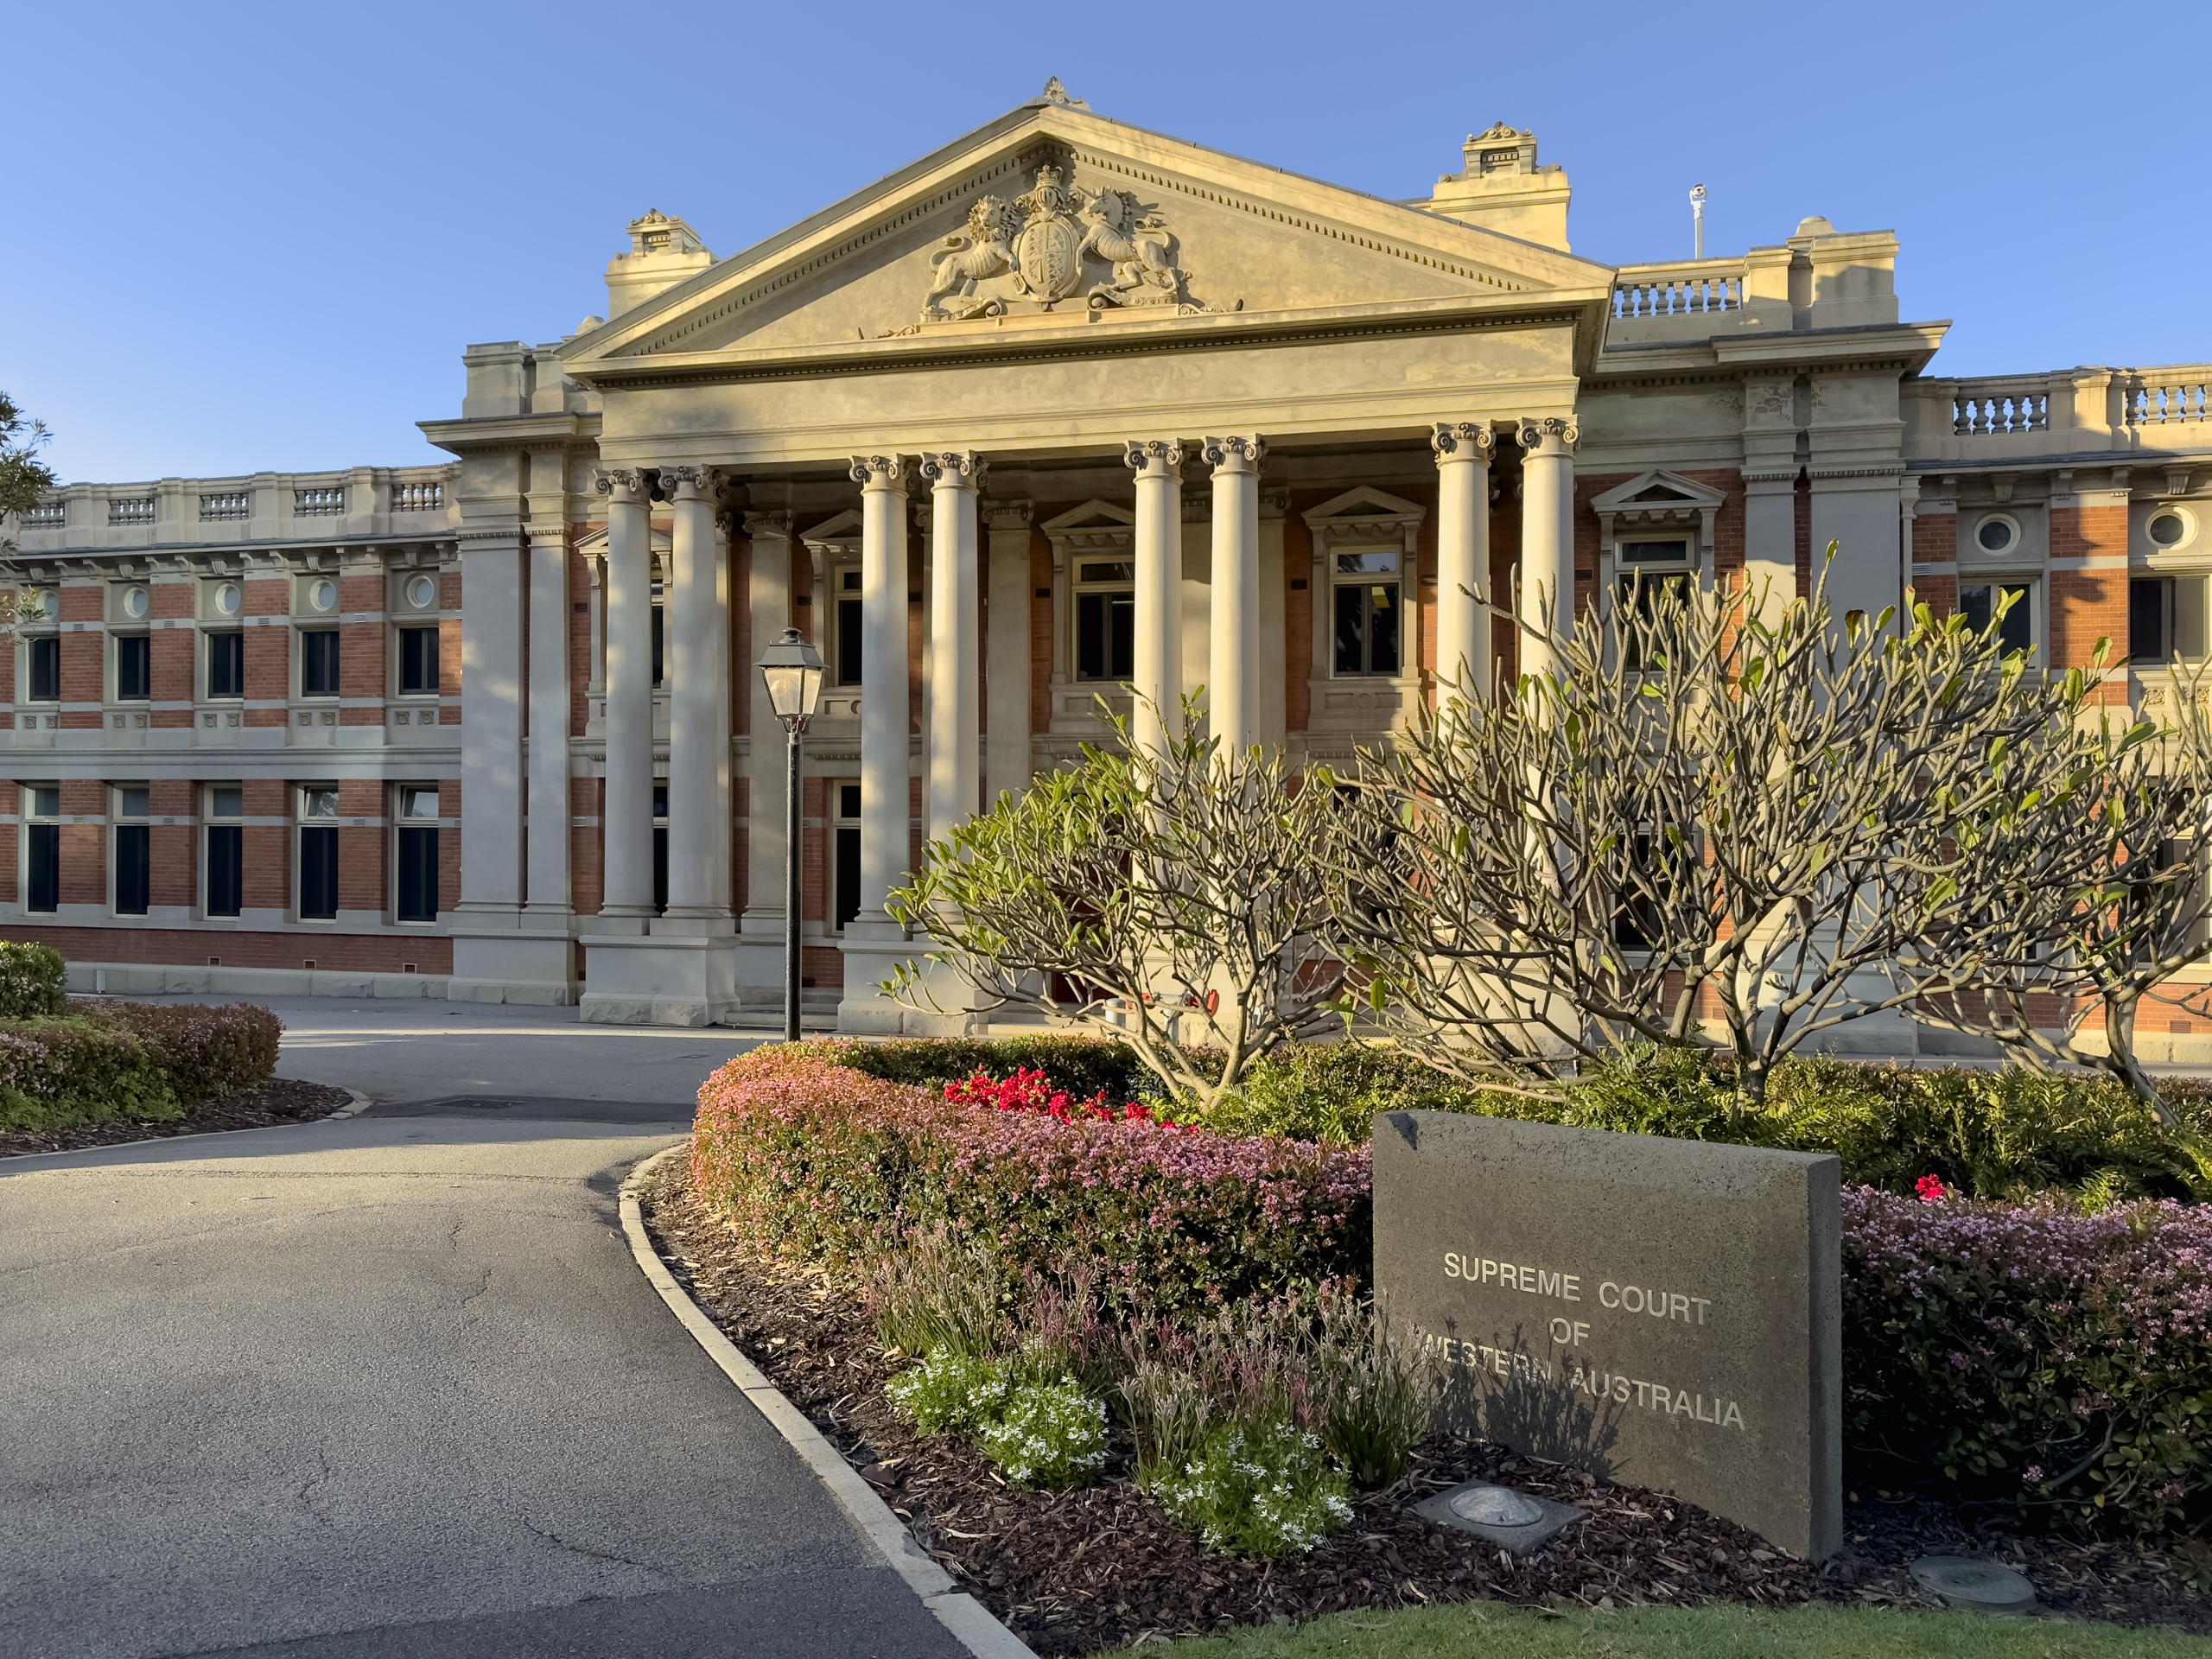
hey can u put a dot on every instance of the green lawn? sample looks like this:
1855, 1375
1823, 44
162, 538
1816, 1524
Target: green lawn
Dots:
1492, 1630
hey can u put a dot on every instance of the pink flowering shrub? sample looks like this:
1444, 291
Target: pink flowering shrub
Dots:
807, 1157
2033, 1354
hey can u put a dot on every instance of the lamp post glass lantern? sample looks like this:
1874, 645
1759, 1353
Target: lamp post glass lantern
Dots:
792, 670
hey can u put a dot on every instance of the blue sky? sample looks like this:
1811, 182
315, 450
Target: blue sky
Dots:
257, 237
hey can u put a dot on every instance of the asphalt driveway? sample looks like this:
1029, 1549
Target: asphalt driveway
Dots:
392, 1386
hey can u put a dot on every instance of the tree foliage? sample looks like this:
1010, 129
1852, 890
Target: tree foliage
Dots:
1173, 891
24, 478
1709, 821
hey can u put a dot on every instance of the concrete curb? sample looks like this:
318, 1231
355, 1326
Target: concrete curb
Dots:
968, 1620
360, 1104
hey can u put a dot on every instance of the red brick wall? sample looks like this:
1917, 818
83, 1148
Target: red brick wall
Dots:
1936, 541
364, 855
1040, 631
586, 876
1297, 619
83, 663
173, 850
84, 846
171, 651
267, 849
2086, 605
450, 599
579, 637
268, 649
341, 952
362, 645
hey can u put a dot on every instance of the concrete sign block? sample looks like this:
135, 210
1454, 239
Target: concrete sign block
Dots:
1666, 1313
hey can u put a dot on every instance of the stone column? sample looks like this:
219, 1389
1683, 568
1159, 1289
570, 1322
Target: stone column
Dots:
627, 823
955, 643
697, 651
490, 729
874, 943
1007, 651
550, 806
1158, 678
1232, 692
1547, 535
769, 601
1463, 643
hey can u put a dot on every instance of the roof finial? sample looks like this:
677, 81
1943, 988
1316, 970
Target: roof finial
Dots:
1055, 94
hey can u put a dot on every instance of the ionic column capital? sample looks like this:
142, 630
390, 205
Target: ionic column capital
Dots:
1552, 436
687, 483
952, 469
880, 473
770, 523
1153, 457
1010, 515
625, 485
1463, 441
1238, 453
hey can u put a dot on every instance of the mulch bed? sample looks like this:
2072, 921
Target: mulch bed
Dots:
279, 1100
1106, 1566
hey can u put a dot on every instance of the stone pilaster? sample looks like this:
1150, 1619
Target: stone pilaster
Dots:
1158, 670
1232, 699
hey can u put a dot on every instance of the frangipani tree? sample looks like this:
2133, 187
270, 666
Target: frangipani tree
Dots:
1711, 821
1175, 890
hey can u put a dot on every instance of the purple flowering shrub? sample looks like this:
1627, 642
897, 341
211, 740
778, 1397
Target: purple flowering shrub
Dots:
2033, 1355
807, 1157
78, 1071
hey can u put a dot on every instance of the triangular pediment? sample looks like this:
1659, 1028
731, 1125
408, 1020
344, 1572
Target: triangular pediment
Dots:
1054, 218
1361, 508
1091, 515
1657, 492
840, 533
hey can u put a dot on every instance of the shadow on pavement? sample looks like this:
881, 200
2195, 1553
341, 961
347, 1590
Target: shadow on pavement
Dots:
540, 1109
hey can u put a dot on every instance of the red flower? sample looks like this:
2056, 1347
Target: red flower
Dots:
1931, 1189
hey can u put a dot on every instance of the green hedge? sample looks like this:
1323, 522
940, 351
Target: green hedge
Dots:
142, 1061
33, 981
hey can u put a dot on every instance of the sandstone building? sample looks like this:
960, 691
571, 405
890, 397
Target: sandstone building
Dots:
1061, 408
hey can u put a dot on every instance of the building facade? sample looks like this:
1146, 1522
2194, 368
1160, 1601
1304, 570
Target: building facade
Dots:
1060, 412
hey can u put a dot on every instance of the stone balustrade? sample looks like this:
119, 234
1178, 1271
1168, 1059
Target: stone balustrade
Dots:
2165, 397
2090, 410
1683, 301
363, 501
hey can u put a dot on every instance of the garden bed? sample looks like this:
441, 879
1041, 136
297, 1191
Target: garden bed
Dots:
1105, 1566
272, 1101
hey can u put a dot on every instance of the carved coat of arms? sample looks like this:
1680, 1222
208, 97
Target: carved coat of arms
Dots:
1055, 242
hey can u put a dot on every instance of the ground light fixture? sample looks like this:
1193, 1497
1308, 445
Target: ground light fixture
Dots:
792, 670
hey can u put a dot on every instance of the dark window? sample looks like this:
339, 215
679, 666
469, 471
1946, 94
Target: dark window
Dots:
1978, 601
225, 868
848, 642
46, 670
318, 872
1641, 592
849, 854
1105, 636
418, 899
418, 659
319, 663
134, 668
656, 646
133, 856
1367, 627
2148, 638
45, 872
660, 847
226, 664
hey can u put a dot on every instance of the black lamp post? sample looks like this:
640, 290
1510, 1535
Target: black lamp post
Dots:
791, 669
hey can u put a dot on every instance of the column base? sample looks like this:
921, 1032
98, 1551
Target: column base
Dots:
761, 952
632, 980
518, 965
874, 951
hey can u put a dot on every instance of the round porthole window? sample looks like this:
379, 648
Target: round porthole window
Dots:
2170, 527
1997, 534
134, 603
421, 592
322, 594
228, 598
49, 605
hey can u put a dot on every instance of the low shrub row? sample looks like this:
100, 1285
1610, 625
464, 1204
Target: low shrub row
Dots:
148, 1062
2033, 1354
2053, 1354
813, 1157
